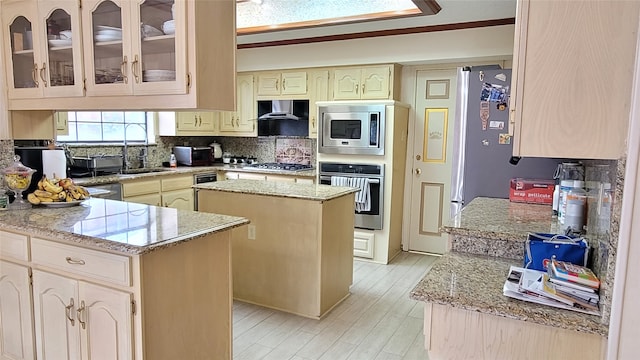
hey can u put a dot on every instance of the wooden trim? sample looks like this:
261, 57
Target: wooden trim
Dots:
380, 33
428, 7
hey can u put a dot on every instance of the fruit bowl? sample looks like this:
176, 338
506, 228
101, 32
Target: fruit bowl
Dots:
17, 177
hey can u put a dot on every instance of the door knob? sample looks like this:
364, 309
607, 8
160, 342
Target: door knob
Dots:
418, 171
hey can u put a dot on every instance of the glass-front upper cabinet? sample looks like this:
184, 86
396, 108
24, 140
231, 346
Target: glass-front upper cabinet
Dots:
136, 47
61, 68
42, 60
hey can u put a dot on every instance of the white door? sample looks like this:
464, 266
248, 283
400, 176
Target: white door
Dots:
431, 158
105, 320
16, 335
55, 304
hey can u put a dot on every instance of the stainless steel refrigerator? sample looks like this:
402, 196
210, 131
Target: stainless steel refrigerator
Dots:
482, 155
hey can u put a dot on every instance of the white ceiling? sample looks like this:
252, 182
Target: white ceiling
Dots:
453, 11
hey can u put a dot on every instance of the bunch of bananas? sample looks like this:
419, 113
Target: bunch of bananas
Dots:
57, 191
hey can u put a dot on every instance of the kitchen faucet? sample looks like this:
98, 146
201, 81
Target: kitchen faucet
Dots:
143, 152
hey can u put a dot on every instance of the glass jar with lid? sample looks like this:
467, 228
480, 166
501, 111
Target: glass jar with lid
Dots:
17, 177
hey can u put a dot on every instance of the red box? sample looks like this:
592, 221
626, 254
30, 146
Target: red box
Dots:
531, 191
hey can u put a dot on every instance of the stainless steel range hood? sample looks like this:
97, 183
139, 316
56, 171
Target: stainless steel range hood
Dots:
280, 110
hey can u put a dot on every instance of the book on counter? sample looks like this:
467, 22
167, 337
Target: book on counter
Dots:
534, 286
574, 274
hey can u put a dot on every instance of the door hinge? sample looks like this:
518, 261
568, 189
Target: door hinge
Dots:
30, 277
133, 307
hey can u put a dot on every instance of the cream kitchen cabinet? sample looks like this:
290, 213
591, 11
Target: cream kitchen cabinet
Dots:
285, 83
241, 122
96, 321
366, 83
120, 49
36, 67
172, 191
29, 125
202, 123
318, 91
62, 123
188, 123
571, 82
234, 175
16, 336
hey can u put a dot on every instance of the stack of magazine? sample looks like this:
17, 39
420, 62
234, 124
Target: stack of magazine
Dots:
564, 285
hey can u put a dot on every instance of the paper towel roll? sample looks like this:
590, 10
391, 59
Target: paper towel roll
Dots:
54, 164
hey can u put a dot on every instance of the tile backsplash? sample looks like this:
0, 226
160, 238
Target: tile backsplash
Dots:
294, 151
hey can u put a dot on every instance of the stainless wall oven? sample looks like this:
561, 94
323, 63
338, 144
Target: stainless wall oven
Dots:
351, 129
373, 218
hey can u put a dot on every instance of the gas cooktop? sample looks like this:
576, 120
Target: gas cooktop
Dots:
281, 166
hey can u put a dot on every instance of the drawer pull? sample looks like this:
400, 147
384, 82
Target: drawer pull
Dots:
74, 261
67, 310
80, 311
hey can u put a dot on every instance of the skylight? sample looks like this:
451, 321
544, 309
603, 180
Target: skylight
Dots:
268, 15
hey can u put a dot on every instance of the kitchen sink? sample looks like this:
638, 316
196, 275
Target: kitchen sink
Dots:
144, 171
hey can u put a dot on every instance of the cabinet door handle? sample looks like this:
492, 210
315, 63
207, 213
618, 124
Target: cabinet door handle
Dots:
133, 69
166, 205
123, 70
313, 122
34, 74
356, 88
277, 84
80, 311
283, 85
73, 261
362, 88
43, 75
67, 310
238, 122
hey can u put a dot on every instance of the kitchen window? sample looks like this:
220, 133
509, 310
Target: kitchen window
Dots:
108, 127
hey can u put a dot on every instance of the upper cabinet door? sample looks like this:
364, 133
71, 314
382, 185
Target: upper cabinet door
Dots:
572, 78
22, 49
159, 48
136, 47
61, 65
107, 47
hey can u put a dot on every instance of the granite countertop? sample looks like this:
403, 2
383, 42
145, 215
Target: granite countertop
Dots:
474, 283
116, 225
281, 189
501, 219
156, 172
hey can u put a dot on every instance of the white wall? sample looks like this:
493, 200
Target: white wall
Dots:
424, 48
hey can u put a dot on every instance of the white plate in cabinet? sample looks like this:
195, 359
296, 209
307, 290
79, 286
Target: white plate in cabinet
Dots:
14, 246
86, 262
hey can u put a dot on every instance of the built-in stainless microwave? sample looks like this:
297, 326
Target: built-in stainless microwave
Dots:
351, 129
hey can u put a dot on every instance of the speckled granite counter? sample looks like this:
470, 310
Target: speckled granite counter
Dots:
116, 225
280, 189
474, 283
498, 227
155, 172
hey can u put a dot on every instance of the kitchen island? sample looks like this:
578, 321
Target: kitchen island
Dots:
114, 279
297, 253
466, 314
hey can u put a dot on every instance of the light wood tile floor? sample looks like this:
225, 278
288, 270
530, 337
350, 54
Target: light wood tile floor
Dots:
377, 321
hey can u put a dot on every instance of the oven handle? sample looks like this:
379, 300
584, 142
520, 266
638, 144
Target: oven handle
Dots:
371, 180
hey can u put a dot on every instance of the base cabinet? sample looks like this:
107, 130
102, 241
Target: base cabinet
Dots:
453, 333
79, 320
16, 334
